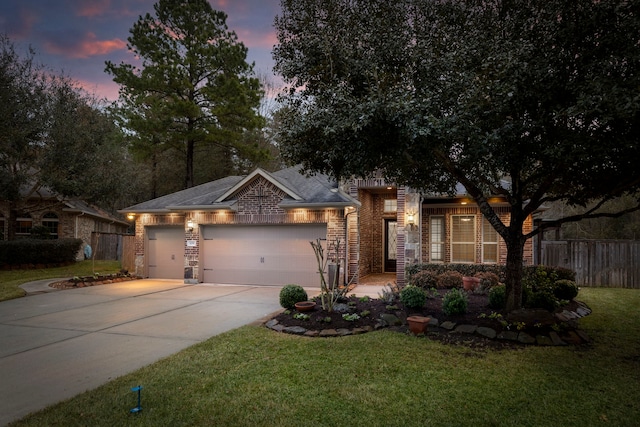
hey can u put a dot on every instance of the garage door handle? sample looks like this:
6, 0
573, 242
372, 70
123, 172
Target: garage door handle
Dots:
208, 269
261, 260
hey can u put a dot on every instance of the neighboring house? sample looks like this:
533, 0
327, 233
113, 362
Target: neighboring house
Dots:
57, 218
256, 229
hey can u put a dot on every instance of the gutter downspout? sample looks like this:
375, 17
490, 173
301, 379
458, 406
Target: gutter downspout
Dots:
346, 239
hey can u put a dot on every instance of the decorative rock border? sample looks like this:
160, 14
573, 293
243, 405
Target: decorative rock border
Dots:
574, 337
92, 281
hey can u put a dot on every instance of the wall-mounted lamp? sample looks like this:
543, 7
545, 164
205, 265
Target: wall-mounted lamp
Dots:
411, 218
190, 225
131, 216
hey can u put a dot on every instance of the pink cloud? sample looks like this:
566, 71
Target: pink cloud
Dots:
220, 4
20, 28
257, 40
93, 7
103, 90
84, 48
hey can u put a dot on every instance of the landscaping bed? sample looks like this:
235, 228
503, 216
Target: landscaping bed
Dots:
375, 313
86, 281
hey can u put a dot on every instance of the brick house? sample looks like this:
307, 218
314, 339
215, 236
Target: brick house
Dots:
256, 229
57, 217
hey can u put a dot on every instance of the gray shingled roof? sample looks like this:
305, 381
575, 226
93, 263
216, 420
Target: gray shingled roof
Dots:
314, 191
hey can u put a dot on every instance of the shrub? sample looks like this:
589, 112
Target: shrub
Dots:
464, 269
291, 294
454, 302
542, 277
449, 280
497, 269
413, 297
498, 297
488, 280
36, 251
565, 289
424, 279
389, 293
542, 299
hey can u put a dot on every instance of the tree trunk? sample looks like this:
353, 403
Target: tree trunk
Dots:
189, 172
154, 175
513, 279
11, 225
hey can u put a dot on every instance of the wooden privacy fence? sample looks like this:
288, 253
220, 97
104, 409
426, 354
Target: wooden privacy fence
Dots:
614, 263
116, 247
128, 259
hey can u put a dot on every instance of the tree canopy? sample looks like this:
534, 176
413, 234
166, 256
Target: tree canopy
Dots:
534, 101
54, 135
194, 90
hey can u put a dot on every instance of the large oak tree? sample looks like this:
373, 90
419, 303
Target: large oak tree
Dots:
193, 91
534, 101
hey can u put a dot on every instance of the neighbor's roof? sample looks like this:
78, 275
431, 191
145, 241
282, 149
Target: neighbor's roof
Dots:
82, 207
74, 206
316, 191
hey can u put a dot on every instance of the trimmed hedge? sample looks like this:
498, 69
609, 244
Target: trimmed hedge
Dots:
499, 270
38, 252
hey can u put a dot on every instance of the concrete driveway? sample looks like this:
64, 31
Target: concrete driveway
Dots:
56, 345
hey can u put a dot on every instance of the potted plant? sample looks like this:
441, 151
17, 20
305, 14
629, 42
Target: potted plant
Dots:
418, 324
469, 283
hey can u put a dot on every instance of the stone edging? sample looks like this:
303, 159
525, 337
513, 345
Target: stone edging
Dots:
574, 337
68, 284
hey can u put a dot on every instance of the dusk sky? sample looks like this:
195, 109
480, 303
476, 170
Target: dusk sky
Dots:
77, 36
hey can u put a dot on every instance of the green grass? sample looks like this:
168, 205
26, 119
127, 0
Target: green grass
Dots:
10, 280
255, 377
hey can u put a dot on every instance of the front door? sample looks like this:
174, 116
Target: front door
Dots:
390, 244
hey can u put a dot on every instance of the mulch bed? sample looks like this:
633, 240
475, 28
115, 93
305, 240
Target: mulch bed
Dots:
478, 313
83, 282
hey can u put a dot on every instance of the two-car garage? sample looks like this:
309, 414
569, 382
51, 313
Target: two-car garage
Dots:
260, 254
240, 254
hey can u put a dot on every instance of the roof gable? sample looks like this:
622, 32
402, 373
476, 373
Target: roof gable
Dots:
248, 180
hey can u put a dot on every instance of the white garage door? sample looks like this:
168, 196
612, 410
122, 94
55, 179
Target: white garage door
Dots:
261, 255
165, 252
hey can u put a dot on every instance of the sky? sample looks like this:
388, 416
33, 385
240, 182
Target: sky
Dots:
76, 37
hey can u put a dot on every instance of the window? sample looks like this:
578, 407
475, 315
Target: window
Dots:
463, 238
436, 237
50, 222
24, 224
490, 240
390, 205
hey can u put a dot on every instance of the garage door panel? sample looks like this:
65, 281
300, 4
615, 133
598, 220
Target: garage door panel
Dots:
165, 252
261, 255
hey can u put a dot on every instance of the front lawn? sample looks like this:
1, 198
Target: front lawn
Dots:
253, 376
10, 280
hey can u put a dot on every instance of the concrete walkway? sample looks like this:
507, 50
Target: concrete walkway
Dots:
55, 345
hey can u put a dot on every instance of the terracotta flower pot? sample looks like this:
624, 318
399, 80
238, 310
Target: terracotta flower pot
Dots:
470, 283
305, 305
418, 324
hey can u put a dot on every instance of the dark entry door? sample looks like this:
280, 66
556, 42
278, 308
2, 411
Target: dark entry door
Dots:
390, 244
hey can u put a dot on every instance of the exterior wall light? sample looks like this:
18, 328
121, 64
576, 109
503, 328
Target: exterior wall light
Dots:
190, 225
131, 216
411, 219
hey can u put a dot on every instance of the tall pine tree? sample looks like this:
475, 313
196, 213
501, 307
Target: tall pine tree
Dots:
193, 92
